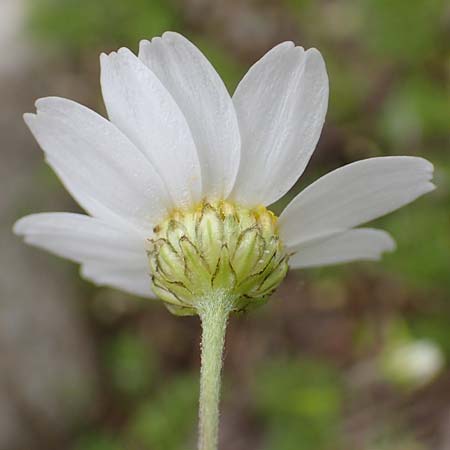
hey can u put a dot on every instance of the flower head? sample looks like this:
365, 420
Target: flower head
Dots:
176, 183
217, 247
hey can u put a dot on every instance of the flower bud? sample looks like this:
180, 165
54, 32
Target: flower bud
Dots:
218, 247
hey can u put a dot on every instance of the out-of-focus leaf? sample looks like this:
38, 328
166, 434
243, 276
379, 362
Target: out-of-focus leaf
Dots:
98, 441
166, 421
301, 403
404, 30
79, 25
418, 109
132, 364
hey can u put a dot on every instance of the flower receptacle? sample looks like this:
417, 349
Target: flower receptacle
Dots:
218, 247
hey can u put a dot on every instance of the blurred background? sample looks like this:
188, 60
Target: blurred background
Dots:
353, 358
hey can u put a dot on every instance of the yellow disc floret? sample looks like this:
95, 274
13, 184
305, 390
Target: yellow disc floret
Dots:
218, 247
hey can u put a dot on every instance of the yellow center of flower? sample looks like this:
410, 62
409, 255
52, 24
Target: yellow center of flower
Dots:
217, 247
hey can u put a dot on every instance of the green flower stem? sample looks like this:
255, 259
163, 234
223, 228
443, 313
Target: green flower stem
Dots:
213, 312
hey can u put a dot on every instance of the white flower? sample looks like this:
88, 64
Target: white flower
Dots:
175, 138
413, 363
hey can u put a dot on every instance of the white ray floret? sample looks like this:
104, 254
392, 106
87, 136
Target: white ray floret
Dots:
97, 158
341, 247
281, 105
206, 104
142, 108
109, 253
355, 194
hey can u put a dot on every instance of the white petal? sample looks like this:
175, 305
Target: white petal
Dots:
206, 104
110, 255
355, 194
341, 247
143, 109
281, 105
82, 238
93, 157
136, 281
77, 190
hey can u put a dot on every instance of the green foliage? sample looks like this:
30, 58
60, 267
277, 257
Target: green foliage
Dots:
131, 363
418, 108
79, 25
98, 441
228, 68
424, 255
404, 30
300, 402
432, 326
166, 421
389, 438
163, 420
422, 233
349, 85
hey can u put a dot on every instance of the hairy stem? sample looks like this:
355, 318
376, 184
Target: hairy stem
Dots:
214, 314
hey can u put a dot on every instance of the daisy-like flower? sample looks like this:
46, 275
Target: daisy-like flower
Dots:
177, 183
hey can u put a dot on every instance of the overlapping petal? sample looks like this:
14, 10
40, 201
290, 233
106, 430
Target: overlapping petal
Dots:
204, 100
78, 191
98, 162
281, 105
111, 255
341, 247
139, 104
353, 195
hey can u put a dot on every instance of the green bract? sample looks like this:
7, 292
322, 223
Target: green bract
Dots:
217, 248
